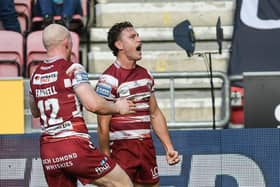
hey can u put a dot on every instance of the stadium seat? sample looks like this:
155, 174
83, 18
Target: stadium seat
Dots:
36, 53
77, 22
1, 25
11, 54
23, 9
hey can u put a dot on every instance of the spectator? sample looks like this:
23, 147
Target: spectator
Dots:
58, 87
50, 8
8, 16
130, 135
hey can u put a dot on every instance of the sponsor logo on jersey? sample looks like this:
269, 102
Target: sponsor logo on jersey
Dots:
47, 78
103, 90
64, 161
104, 166
124, 91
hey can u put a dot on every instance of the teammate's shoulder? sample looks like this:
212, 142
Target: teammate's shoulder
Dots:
75, 67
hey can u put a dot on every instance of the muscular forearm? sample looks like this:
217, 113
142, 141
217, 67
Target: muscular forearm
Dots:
161, 130
163, 134
160, 127
104, 145
104, 107
34, 110
103, 133
92, 102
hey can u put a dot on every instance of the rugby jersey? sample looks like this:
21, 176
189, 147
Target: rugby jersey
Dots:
136, 84
52, 87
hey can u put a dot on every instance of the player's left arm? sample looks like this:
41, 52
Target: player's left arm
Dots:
33, 107
103, 133
159, 125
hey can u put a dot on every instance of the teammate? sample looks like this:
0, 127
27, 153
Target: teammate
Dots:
58, 88
130, 135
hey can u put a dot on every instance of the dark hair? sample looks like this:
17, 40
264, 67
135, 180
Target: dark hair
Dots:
114, 33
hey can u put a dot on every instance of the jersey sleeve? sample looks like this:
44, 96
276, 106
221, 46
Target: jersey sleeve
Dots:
78, 74
153, 81
105, 87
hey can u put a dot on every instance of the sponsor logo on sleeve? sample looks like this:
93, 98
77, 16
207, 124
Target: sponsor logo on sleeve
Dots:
103, 90
81, 76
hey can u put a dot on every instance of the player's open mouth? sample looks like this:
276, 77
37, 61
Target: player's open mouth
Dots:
139, 48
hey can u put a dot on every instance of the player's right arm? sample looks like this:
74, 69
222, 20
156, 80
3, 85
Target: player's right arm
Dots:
90, 99
94, 103
103, 133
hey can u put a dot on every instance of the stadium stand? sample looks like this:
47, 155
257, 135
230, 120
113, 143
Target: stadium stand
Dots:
77, 23
36, 52
23, 9
164, 14
154, 20
11, 54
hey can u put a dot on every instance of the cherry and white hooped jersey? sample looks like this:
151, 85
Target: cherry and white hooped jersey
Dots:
52, 87
136, 84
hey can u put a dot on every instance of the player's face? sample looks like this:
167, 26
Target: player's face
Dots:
131, 44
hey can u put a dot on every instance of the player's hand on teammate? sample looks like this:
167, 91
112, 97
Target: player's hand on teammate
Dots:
172, 157
125, 106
